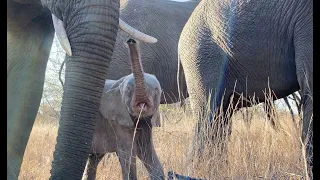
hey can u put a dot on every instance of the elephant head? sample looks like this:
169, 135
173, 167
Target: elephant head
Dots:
138, 94
87, 31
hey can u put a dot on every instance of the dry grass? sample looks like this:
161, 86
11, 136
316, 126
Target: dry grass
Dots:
256, 151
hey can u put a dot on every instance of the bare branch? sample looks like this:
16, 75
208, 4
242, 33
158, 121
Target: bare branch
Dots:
61, 67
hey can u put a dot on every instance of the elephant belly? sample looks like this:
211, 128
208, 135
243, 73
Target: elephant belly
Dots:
103, 143
104, 139
276, 71
109, 135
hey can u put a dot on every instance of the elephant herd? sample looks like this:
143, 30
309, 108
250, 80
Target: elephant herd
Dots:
210, 51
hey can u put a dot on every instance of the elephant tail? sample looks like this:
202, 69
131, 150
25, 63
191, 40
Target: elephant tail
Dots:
182, 85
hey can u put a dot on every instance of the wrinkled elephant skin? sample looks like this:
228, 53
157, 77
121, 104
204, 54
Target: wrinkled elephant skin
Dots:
91, 29
247, 47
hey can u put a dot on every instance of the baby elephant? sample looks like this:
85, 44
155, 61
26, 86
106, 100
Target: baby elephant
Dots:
128, 103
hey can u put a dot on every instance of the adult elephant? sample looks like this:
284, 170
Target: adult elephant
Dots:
164, 19
244, 47
87, 31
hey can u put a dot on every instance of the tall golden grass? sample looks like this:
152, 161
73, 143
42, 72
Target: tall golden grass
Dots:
255, 150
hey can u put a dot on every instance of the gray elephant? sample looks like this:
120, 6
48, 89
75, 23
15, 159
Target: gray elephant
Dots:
164, 20
234, 48
87, 31
122, 102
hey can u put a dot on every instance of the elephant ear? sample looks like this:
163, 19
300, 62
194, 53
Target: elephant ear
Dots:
156, 119
112, 108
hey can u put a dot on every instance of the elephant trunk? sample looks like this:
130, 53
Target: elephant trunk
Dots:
92, 31
138, 73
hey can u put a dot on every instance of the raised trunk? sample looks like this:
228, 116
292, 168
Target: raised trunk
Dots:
92, 31
138, 73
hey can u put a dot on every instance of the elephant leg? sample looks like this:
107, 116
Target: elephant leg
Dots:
128, 164
28, 52
297, 101
303, 43
91, 168
286, 100
24, 92
305, 82
307, 131
212, 128
147, 154
221, 130
23, 101
127, 152
216, 132
307, 125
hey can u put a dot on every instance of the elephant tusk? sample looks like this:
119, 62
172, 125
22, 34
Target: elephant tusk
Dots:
64, 41
135, 33
61, 34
